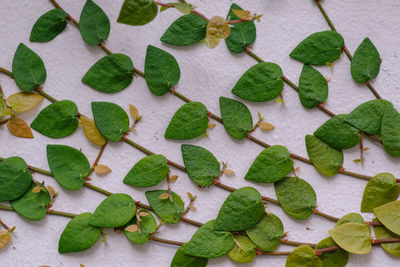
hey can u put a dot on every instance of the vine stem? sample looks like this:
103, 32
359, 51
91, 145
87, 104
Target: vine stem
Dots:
7, 72
54, 212
95, 163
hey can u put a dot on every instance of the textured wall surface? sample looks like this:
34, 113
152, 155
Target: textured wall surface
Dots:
206, 75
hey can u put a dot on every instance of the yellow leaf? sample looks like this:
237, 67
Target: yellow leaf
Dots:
21, 102
51, 190
217, 29
134, 112
163, 196
19, 128
278, 100
229, 172
242, 14
6, 112
132, 228
357, 160
36, 189
81, 265
91, 132
102, 169
5, 238
143, 213
265, 126
211, 125
173, 178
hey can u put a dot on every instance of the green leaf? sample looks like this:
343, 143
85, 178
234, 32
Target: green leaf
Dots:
303, 256
201, 165
380, 233
28, 69
336, 258
236, 117
313, 88
169, 212
110, 74
242, 34
390, 130
352, 237
115, 211
338, 134
161, 70
262, 82
241, 210
325, 159
367, 117
68, 165
137, 12
366, 62
267, 233
57, 120
15, 178
78, 235
182, 260
186, 30
208, 243
183, 7
111, 120
148, 226
32, 206
350, 217
319, 48
148, 171
296, 196
188, 122
246, 252
94, 24
49, 25
389, 216
271, 165
380, 190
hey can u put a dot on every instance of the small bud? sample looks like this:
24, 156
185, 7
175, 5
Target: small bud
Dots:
265, 126
211, 125
193, 208
143, 213
173, 178
366, 148
36, 189
357, 160
163, 196
102, 169
229, 172
51, 190
132, 228
191, 196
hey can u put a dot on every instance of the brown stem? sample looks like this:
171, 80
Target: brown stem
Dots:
97, 158
166, 241
4, 225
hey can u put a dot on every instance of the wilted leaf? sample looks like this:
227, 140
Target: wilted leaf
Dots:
21, 102
101, 169
217, 29
91, 132
19, 128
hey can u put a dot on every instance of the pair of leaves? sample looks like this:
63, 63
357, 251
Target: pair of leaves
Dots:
169, 212
49, 25
352, 237
182, 260
366, 62
94, 24
313, 87
137, 12
148, 226
389, 216
15, 178
236, 117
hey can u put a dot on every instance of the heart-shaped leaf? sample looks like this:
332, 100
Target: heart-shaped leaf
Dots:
241, 210
366, 62
236, 117
313, 88
19, 128
336, 258
182, 260
78, 235
21, 102
161, 70
169, 212
390, 130
148, 171
209, 243
244, 250
111, 120
188, 122
350, 217
148, 226
262, 82
325, 159
91, 132
303, 256
57, 120
380, 190
49, 25
94, 24
110, 74
137, 12
267, 233
380, 233
352, 237
28, 69
201, 165
186, 30
319, 48
389, 216
296, 196
68, 165
115, 211
15, 178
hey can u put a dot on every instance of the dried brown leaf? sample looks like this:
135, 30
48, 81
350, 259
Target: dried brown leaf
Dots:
242, 14
91, 132
101, 169
134, 112
5, 238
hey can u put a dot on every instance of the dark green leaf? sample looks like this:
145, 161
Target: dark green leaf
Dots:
352, 237
78, 235
110, 74
350, 217
94, 24
111, 120
137, 12
49, 25
148, 171
188, 122
366, 62
182, 260
169, 212
57, 120
313, 88
186, 30
161, 70
319, 48
115, 211
380, 233
390, 130
389, 216
15, 178
246, 252
267, 233
303, 256
236, 117
271, 165
336, 258
296, 196
68, 165
28, 69
325, 159
241, 210
148, 226
260, 83
201, 165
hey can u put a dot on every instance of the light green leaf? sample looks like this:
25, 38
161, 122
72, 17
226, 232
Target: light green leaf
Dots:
169, 212
246, 252
267, 233
182, 260
148, 226
236, 117
94, 24
303, 256
336, 258
366, 62
15, 178
49, 25
352, 237
380, 233
185, 8
389, 216
390, 130
137, 12
350, 217
313, 88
